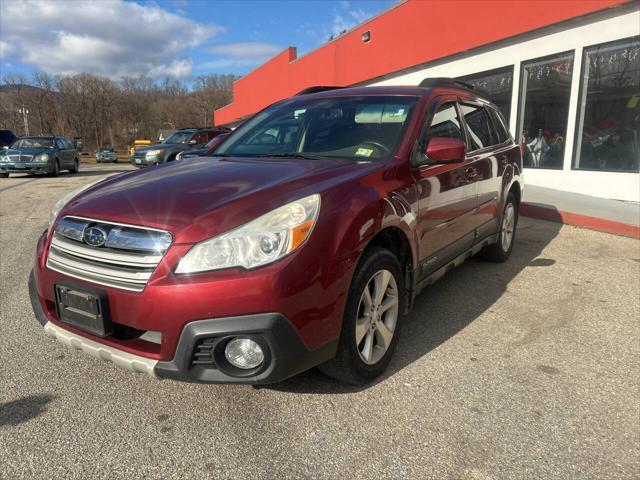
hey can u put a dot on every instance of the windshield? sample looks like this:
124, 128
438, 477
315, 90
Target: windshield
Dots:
358, 128
179, 137
33, 142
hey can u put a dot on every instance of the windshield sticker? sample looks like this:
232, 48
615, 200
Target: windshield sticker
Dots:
364, 152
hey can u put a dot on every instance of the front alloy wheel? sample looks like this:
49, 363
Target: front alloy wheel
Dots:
377, 317
371, 322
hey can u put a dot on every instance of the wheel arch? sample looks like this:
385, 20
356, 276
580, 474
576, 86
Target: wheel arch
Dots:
516, 189
395, 240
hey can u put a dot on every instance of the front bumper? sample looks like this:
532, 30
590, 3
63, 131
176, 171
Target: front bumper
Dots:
144, 161
285, 352
26, 167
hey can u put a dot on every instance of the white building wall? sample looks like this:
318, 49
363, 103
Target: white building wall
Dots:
575, 36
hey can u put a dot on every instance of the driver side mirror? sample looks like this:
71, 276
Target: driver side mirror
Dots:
445, 150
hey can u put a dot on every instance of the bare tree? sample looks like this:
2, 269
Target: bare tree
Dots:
104, 112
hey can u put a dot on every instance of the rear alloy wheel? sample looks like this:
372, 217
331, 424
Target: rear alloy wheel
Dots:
372, 319
501, 250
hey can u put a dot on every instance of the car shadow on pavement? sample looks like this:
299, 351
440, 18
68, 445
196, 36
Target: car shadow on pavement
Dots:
447, 307
24, 409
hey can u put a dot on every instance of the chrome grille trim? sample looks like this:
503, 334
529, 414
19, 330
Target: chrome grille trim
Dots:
20, 158
114, 267
104, 254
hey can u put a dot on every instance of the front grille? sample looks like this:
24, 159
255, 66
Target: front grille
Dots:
116, 255
203, 353
20, 158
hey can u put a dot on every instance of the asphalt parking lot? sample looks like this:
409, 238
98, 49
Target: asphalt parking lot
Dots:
527, 370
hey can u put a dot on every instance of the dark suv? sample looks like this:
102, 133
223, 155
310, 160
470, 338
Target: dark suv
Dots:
167, 151
302, 242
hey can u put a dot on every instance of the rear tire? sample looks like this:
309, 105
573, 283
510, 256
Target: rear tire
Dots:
501, 250
4, 175
371, 322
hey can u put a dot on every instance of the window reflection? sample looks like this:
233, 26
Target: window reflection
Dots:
608, 126
497, 85
544, 108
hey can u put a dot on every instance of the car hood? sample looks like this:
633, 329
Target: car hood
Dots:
194, 152
26, 151
203, 197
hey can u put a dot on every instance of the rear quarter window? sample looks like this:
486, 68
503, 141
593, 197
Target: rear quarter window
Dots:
499, 129
478, 126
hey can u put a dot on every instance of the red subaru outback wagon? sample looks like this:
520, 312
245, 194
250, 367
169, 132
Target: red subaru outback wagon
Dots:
301, 243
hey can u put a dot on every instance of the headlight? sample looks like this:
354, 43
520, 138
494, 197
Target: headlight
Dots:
42, 157
153, 153
4, 158
260, 242
60, 204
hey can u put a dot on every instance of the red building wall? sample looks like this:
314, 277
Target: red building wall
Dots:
414, 32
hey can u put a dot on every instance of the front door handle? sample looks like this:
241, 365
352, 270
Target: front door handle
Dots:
471, 173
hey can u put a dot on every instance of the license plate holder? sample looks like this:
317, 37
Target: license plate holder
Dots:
84, 308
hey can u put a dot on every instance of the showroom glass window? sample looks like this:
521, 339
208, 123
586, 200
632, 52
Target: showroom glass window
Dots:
497, 86
608, 126
544, 109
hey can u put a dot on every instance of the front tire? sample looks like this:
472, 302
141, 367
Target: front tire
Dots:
55, 172
4, 175
76, 166
372, 320
501, 250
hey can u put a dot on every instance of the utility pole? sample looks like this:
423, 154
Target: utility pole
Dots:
24, 111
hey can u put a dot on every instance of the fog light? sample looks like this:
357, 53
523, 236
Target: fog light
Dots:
244, 353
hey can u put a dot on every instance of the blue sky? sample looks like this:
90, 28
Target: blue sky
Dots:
176, 38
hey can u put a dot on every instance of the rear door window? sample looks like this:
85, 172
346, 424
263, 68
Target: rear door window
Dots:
478, 126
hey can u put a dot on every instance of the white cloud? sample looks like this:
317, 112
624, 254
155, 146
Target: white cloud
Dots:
256, 51
107, 37
5, 49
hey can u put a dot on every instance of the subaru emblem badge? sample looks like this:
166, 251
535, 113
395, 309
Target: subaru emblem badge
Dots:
94, 236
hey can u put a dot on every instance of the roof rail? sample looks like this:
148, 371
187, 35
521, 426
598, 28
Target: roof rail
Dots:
316, 89
445, 82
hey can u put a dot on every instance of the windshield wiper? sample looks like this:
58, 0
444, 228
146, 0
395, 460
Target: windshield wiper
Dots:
291, 155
